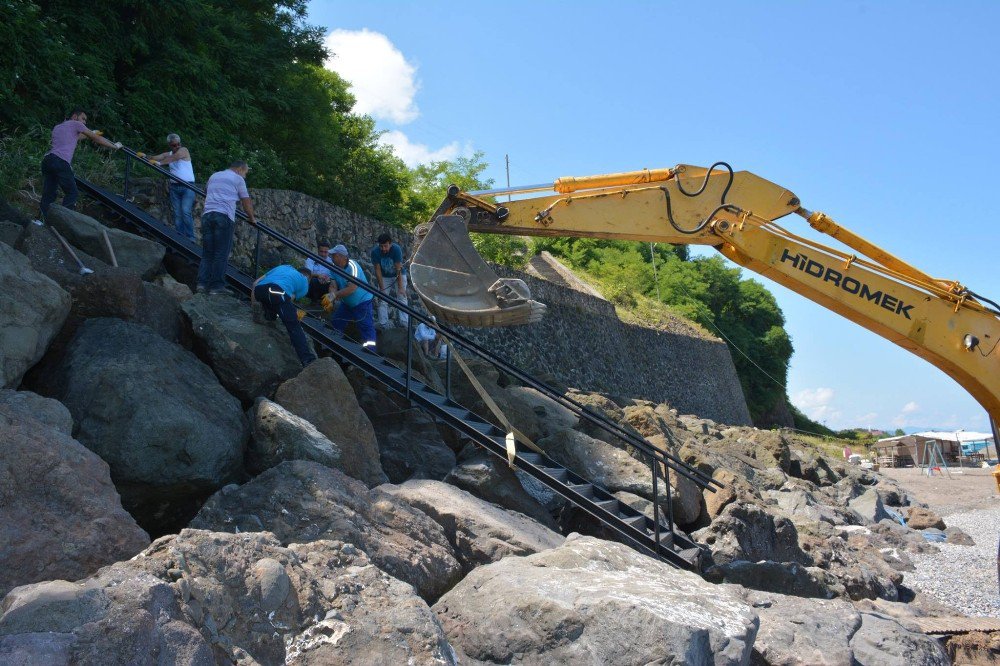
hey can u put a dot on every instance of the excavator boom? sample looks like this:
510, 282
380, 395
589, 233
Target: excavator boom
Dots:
734, 212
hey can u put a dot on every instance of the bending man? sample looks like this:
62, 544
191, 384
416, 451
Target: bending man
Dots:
57, 169
275, 291
355, 303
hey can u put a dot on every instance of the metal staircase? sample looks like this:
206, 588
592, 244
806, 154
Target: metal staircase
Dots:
654, 536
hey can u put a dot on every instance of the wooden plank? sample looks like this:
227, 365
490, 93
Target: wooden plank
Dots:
956, 625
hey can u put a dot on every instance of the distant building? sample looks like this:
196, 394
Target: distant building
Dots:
916, 449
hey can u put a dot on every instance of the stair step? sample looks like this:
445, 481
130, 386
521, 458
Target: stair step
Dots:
638, 522
557, 473
532, 457
611, 506
585, 489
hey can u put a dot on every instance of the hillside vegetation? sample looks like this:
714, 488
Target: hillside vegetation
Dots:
245, 79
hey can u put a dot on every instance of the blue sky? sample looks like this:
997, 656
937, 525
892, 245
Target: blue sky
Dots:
881, 114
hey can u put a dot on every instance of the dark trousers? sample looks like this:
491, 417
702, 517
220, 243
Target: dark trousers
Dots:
317, 289
361, 315
216, 243
277, 304
56, 173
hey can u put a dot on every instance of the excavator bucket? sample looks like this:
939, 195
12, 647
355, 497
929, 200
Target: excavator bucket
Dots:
459, 288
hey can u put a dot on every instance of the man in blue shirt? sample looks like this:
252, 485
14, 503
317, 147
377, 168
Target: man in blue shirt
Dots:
355, 303
276, 292
387, 258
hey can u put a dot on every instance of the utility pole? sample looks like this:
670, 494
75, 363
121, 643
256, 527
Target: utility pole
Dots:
506, 158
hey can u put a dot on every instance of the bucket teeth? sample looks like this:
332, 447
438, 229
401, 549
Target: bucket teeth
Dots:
459, 288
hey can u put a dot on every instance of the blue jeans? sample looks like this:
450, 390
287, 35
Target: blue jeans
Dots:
182, 201
276, 303
360, 314
216, 243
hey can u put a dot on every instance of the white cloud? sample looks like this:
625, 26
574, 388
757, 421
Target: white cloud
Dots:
904, 417
382, 80
817, 403
418, 153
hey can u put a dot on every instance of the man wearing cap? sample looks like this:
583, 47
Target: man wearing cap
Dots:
354, 304
387, 258
319, 275
275, 292
57, 171
218, 222
178, 160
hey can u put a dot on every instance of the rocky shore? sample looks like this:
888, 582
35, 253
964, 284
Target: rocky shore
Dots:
175, 489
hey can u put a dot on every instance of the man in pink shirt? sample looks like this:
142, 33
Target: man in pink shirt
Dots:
56, 169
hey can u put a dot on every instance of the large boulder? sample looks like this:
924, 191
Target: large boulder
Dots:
277, 435
480, 532
140, 254
322, 395
60, 516
599, 462
487, 477
48, 256
869, 506
796, 631
249, 359
32, 311
919, 518
409, 442
49, 412
302, 501
207, 598
595, 602
121, 293
745, 531
533, 413
156, 414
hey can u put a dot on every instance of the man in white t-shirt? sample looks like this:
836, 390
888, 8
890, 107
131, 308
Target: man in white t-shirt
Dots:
178, 160
319, 275
218, 222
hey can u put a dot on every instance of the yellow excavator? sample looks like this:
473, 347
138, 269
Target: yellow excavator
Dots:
939, 320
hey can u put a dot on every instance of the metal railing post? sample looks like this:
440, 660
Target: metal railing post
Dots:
256, 256
656, 506
670, 498
409, 354
128, 174
447, 370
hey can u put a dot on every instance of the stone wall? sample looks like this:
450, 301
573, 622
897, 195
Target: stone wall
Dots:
581, 342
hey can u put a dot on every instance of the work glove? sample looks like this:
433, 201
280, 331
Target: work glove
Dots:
327, 302
301, 314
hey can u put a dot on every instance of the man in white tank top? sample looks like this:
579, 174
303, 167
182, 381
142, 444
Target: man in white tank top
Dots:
178, 160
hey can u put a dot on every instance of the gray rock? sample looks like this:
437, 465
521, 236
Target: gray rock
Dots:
121, 293
141, 255
869, 506
47, 256
745, 531
769, 576
595, 602
205, 598
480, 532
533, 413
25, 404
409, 442
152, 411
60, 516
489, 478
322, 395
179, 291
302, 501
956, 536
10, 232
250, 359
599, 462
808, 632
882, 640
277, 435
799, 505
31, 313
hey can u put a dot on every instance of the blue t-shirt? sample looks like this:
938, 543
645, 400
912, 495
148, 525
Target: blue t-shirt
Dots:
359, 295
289, 279
387, 261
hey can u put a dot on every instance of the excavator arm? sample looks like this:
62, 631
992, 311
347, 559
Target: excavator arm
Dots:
734, 212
